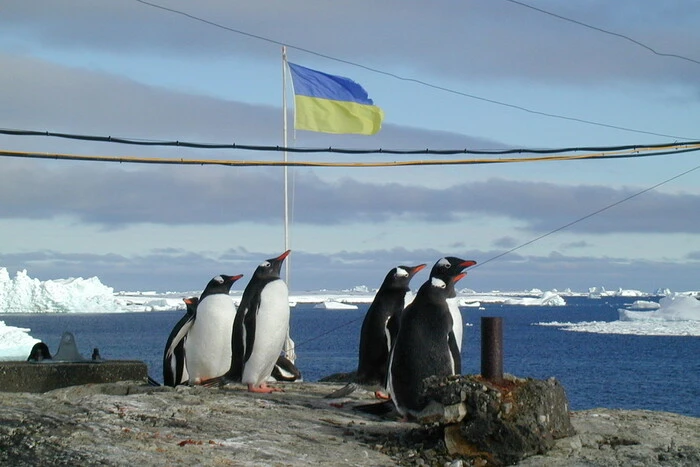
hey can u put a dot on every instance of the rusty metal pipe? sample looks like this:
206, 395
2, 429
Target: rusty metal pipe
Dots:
492, 349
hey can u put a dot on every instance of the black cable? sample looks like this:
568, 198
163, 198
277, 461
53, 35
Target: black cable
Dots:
558, 229
269, 148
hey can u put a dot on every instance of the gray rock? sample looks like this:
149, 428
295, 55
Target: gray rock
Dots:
129, 423
502, 423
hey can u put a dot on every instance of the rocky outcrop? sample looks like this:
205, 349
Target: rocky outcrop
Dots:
501, 423
130, 423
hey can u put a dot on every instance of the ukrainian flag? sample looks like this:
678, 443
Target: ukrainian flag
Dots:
332, 104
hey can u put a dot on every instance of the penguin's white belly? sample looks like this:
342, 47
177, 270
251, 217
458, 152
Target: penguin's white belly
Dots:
457, 326
208, 344
271, 326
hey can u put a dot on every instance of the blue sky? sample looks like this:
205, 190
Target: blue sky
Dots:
133, 70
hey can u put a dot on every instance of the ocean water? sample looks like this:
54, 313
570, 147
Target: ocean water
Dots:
597, 370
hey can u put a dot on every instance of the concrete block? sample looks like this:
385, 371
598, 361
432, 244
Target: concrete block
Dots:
48, 375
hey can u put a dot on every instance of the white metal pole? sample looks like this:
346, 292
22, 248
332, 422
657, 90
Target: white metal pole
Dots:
288, 343
286, 169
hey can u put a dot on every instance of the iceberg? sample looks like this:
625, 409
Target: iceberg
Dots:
676, 307
547, 299
15, 343
74, 295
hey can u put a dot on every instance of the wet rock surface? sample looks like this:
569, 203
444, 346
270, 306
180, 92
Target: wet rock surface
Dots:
130, 423
501, 422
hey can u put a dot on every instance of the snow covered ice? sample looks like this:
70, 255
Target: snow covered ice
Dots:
26, 295
15, 343
671, 308
676, 315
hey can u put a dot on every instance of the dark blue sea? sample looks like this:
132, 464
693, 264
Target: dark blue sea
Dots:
597, 370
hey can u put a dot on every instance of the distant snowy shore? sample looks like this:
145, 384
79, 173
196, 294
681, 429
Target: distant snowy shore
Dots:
23, 294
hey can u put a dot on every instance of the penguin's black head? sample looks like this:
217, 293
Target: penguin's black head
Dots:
219, 284
440, 284
400, 276
450, 266
270, 268
39, 352
191, 304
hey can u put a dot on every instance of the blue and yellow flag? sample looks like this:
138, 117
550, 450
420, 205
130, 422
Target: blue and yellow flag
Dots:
332, 104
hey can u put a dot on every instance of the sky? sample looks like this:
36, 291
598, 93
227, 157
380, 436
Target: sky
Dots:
479, 74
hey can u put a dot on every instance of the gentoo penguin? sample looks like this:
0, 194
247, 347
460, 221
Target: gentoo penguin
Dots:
285, 370
375, 342
39, 352
425, 346
445, 269
174, 368
208, 341
261, 326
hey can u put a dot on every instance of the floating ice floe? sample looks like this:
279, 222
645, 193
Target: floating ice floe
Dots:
334, 305
549, 298
671, 308
677, 315
644, 305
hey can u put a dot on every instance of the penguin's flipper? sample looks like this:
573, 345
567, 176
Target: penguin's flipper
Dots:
456, 355
342, 392
249, 323
238, 340
177, 337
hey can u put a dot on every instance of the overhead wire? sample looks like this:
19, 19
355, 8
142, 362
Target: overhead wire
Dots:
631, 153
406, 79
277, 148
605, 31
529, 242
589, 215
620, 151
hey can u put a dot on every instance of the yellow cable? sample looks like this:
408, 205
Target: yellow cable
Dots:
269, 163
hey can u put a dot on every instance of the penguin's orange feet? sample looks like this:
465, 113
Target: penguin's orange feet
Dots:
382, 395
263, 388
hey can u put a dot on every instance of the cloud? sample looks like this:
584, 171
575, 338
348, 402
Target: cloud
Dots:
481, 40
114, 197
46, 96
576, 245
505, 242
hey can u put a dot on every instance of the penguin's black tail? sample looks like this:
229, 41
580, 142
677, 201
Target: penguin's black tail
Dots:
152, 381
342, 392
217, 381
378, 408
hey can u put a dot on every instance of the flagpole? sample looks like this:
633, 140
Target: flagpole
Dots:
288, 343
286, 174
